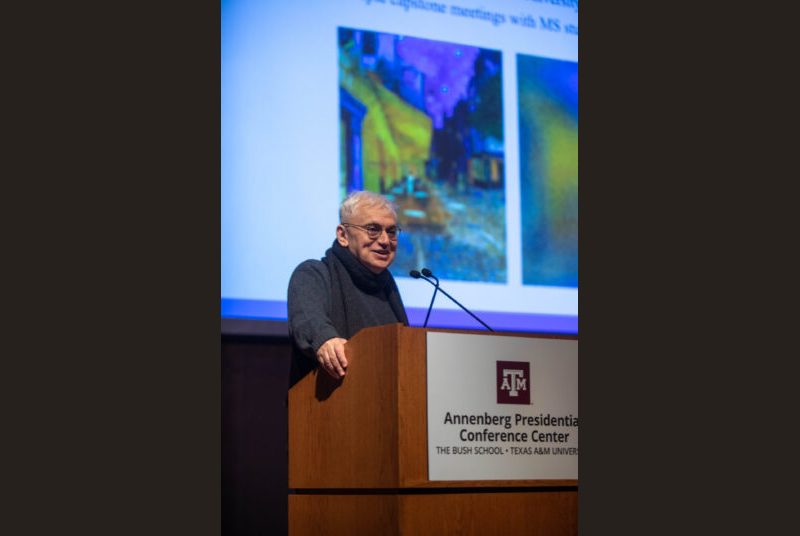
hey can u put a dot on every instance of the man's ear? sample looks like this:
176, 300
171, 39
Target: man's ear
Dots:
341, 236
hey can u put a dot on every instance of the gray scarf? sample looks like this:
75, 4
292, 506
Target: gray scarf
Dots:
348, 276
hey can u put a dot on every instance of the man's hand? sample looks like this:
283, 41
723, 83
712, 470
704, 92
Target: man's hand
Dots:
331, 357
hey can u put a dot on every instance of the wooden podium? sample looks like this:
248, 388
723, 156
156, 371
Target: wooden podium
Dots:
358, 458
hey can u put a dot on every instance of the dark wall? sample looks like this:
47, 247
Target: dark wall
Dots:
255, 375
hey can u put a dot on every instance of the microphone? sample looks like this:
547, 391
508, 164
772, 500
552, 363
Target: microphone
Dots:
427, 275
416, 275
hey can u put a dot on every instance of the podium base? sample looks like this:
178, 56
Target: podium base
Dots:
441, 511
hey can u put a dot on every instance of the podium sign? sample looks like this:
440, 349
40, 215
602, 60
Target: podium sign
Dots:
437, 432
501, 407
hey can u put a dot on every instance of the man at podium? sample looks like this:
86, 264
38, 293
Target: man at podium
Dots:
350, 288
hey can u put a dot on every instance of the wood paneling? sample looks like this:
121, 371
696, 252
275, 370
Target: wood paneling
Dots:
343, 515
255, 374
481, 514
412, 407
551, 513
343, 433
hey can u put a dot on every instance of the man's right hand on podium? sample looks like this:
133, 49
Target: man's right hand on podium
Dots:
330, 357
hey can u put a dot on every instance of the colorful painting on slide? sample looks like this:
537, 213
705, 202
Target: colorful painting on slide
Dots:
421, 122
548, 137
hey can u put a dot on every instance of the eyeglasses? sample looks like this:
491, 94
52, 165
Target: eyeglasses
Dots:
374, 230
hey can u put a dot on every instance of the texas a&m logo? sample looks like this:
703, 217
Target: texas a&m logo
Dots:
513, 382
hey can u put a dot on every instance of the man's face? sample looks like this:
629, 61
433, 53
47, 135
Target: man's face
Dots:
376, 254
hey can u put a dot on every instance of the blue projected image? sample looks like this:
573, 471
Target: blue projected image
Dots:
468, 125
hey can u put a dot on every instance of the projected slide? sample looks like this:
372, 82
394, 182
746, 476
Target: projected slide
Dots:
548, 134
463, 113
421, 122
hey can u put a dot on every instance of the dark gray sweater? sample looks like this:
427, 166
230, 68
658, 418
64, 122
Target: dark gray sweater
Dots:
337, 297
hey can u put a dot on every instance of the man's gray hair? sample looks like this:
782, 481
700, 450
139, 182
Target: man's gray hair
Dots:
356, 200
